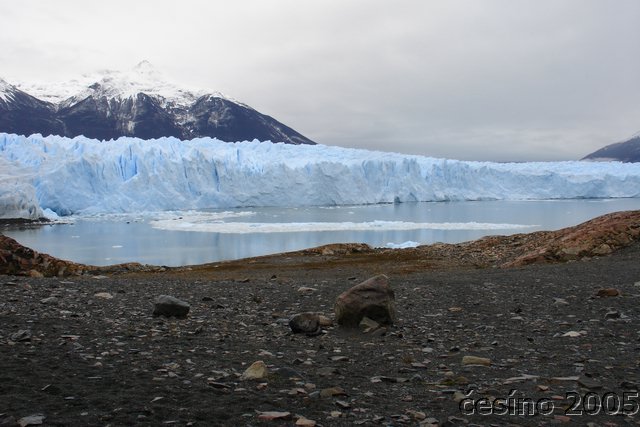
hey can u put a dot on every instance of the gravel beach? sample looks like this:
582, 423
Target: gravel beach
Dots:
473, 344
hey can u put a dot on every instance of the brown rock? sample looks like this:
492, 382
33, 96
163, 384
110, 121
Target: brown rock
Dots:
372, 298
332, 391
474, 360
608, 292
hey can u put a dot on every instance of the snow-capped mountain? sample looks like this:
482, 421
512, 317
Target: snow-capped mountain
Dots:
84, 176
137, 102
626, 151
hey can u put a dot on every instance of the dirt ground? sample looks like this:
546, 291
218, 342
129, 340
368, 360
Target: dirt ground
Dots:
86, 350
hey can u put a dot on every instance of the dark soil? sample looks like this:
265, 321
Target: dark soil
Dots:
79, 359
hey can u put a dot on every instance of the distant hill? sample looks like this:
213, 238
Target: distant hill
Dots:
136, 103
626, 151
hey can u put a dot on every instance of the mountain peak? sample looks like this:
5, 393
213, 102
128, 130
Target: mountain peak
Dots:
144, 65
108, 104
5, 89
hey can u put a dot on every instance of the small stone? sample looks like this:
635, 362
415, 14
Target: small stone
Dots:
612, 315
306, 290
273, 415
31, 420
589, 383
169, 306
21, 335
332, 391
608, 292
474, 360
49, 300
306, 323
35, 274
573, 334
342, 404
257, 371
103, 295
305, 422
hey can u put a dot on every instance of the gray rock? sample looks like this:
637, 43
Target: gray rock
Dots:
31, 420
306, 323
589, 383
169, 306
372, 298
21, 335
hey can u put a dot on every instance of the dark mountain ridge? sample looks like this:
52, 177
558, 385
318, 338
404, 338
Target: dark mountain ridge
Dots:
627, 151
136, 103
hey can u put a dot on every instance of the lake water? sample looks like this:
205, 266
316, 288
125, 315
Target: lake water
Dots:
184, 238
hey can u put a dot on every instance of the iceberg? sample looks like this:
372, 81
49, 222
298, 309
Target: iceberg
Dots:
83, 176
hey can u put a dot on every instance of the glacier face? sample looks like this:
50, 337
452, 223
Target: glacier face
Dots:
85, 176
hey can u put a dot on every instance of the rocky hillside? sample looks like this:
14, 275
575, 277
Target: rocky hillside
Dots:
626, 151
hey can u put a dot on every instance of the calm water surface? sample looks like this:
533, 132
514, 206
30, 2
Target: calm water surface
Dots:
183, 238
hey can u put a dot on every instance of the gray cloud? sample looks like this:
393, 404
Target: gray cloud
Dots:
490, 80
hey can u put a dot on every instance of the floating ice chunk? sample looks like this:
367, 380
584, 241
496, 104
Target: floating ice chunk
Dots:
404, 245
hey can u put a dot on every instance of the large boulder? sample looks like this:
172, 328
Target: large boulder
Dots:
169, 306
372, 298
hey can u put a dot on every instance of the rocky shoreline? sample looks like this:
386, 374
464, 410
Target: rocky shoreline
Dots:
483, 332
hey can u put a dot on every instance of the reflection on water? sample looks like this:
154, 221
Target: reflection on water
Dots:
111, 240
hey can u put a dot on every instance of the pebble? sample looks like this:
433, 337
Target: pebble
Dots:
21, 335
305, 422
474, 360
31, 420
273, 415
257, 371
103, 295
332, 391
608, 292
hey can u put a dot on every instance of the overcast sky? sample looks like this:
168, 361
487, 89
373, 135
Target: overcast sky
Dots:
474, 80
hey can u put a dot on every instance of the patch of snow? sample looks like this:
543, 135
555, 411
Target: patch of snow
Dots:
6, 91
85, 176
142, 78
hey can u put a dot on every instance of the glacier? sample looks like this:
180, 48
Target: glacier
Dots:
82, 176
